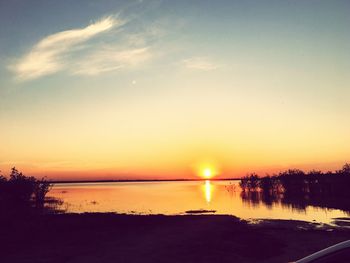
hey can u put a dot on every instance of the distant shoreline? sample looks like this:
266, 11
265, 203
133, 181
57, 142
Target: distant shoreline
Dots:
140, 180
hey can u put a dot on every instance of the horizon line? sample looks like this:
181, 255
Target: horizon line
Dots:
139, 180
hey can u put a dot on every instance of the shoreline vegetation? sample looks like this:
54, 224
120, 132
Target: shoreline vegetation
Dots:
25, 195
299, 189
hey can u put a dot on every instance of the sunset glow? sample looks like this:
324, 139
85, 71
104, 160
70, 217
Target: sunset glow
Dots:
140, 91
207, 169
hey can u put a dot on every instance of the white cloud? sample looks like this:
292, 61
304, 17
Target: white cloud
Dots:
110, 59
47, 56
199, 63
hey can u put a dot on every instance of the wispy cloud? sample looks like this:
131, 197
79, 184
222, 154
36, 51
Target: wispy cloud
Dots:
109, 44
109, 59
47, 56
199, 63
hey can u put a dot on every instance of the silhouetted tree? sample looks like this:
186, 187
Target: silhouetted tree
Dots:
244, 183
298, 189
250, 182
293, 181
20, 193
42, 187
20, 187
345, 170
266, 184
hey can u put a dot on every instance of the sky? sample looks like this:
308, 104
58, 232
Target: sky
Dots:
163, 89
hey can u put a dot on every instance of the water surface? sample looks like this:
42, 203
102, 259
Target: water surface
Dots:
173, 198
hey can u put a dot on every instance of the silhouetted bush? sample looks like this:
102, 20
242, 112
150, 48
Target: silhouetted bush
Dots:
250, 182
266, 184
345, 171
20, 188
244, 183
22, 194
42, 187
292, 181
299, 189
3, 184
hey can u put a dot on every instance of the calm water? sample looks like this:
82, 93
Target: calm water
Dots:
178, 197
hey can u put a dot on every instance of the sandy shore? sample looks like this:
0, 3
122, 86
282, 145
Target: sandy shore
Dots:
133, 238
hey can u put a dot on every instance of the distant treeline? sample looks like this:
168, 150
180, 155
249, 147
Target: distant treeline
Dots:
21, 194
299, 189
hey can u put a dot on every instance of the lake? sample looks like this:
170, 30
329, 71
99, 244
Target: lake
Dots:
177, 197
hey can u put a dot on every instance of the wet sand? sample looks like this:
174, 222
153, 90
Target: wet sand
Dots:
135, 238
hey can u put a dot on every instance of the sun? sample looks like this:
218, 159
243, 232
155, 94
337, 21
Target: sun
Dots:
207, 172
207, 169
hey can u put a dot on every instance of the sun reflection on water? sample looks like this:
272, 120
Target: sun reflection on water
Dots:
208, 190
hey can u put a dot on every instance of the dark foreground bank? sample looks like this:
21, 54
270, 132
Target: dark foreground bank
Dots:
133, 238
